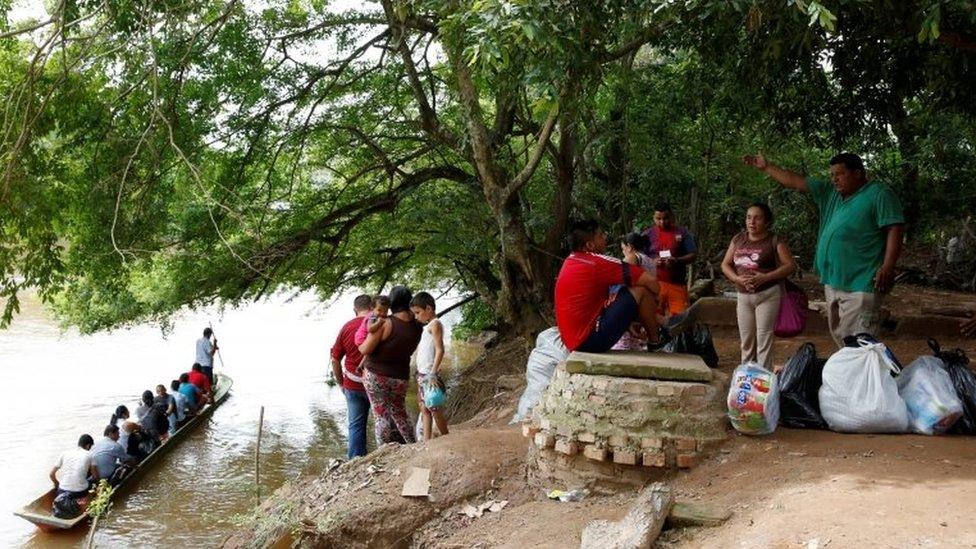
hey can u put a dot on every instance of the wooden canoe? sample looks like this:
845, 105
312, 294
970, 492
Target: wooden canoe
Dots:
39, 510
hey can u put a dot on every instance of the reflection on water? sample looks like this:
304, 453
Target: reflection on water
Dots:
60, 385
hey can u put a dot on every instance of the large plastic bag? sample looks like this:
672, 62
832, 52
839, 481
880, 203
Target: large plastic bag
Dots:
858, 394
799, 385
549, 351
753, 400
927, 390
964, 381
697, 341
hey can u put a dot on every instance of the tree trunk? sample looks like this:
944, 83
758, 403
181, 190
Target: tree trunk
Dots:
904, 131
618, 215
524, 302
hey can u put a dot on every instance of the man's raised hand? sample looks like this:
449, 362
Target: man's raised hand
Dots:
757, 161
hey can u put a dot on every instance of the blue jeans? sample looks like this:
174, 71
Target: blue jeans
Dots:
612, 323
357, 404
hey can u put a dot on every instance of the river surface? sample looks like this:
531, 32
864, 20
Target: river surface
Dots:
58, 385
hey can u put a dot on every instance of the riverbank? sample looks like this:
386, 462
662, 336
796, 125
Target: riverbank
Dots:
791, 489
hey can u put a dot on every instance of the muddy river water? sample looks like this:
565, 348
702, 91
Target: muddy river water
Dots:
57, 385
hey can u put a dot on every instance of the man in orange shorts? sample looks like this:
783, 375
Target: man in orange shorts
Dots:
673, 248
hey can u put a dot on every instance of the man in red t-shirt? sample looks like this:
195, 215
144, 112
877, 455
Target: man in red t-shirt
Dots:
588, 318
672, 248
198, 378
357, 402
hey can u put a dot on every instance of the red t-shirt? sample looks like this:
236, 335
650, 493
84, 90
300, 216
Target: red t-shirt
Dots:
582, 289
666, 240
201, 381
345, 345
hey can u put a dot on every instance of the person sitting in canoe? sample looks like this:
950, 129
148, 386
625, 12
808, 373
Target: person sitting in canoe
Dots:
182, 403
194, 397
153, 420
108, 455
130, 432
167, 403
197, 377
74, 467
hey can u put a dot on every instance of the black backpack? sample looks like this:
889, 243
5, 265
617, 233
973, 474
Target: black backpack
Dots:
65, 506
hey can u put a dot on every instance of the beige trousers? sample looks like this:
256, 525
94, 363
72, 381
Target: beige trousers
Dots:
850, 313
756, 314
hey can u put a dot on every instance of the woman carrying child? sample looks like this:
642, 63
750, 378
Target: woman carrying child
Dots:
386, 363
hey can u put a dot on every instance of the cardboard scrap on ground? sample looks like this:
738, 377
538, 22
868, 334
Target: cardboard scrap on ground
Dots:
417, 483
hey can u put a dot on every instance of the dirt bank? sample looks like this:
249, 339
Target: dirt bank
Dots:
792, 489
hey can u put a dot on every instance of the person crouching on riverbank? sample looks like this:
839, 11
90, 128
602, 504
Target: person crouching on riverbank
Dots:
430, 354
386, 364
587, 319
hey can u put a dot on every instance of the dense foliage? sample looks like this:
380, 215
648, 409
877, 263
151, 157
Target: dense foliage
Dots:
157, 154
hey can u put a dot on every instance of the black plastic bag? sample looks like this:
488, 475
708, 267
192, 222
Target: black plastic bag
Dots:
697, 341
964, 381
65, 506
799, 385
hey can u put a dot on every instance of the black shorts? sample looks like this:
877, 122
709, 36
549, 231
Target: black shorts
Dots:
613, 321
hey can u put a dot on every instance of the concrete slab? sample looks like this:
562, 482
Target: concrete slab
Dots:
666, 366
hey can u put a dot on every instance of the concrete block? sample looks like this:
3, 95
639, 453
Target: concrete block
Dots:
625, 456
544, 424
653, 443
544, 439
598, 399
565, 431
600, 383
594, 452
666, 366
618, 440
655, 458
666, 391
586, 437
588, 417
568, 394
694, 389
687, 460
685, 444
567, 447
529, 430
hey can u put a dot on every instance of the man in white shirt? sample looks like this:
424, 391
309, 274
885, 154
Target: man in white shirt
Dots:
75, 466
205, 353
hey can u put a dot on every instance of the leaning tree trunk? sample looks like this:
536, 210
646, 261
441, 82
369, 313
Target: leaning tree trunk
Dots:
524, 302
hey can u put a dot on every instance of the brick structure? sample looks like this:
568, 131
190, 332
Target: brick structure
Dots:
599, 429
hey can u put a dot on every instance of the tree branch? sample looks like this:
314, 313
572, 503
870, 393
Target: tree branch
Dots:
540, 147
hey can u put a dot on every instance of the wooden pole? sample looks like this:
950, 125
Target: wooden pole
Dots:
91, 534
257, 456
219, 357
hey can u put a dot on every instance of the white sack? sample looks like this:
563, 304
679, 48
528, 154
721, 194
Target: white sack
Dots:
859, 395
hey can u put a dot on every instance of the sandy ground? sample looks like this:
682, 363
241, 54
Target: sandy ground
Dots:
794, 488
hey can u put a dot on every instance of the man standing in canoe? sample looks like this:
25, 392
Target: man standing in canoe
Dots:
205, 353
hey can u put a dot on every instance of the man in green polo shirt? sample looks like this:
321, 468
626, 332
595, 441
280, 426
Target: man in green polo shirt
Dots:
859, 241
